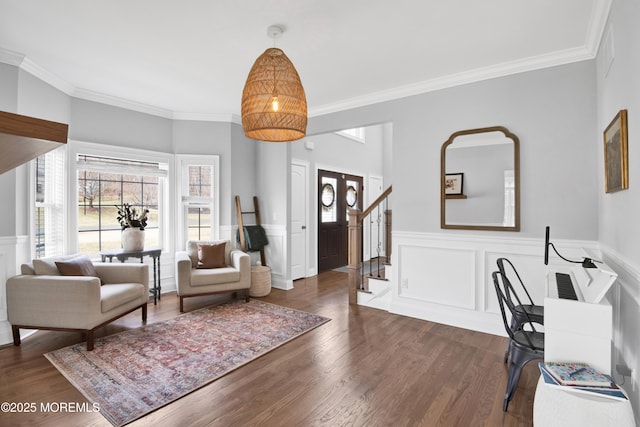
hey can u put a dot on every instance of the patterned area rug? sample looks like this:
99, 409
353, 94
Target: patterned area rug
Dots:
135, 372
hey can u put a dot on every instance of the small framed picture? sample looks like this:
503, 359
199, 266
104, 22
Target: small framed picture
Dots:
453, 184
616, 162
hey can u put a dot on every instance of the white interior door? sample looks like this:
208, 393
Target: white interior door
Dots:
299, 235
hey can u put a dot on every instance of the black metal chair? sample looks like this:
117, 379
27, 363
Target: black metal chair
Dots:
523, 312
524, 345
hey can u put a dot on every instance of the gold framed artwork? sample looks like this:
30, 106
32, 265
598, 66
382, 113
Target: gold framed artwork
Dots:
616, 161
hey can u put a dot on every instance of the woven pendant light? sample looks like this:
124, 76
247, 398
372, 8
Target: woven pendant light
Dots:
274, 106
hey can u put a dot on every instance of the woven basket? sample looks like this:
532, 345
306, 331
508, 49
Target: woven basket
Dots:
260, 281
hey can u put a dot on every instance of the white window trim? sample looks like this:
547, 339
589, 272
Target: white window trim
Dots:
166, 192
183, 161
32, 204
359, 135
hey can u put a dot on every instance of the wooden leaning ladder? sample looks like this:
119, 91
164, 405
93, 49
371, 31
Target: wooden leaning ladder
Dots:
256, 212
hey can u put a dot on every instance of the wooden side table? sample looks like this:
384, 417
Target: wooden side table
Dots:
260, 281
154, 253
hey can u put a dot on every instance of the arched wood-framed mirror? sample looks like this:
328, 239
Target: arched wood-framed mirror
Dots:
480, 180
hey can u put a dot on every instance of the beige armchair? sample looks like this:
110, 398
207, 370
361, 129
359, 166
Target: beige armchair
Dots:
234, 274
42, 298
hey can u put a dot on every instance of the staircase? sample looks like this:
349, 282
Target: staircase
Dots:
379, 295
371, 286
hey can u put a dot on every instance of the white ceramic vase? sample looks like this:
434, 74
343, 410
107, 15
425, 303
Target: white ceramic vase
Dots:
132, 239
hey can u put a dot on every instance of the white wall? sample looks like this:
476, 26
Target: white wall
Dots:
618, 87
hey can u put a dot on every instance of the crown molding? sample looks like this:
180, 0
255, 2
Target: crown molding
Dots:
472, 76
596, 27
150, 109
115, 101
479, 74
10, 57
46, 76
208, 117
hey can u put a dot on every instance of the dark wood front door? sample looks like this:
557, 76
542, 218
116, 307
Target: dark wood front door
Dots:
337, 192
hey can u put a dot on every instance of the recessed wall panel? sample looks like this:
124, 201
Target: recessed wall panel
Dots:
437, 275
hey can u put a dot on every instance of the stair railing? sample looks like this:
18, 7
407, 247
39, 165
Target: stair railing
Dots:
374, 214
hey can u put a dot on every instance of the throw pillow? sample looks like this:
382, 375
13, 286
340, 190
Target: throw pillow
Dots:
47, 266
78, 266
211, 256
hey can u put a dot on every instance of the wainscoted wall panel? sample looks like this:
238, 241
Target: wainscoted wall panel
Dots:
446, 278
437, 275
276, 256
274, 252
531, 270
13, 251
625, 299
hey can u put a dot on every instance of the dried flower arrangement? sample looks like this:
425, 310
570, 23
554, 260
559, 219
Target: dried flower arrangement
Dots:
129, 217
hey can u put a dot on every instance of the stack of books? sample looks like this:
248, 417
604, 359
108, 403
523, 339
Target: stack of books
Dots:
581, 378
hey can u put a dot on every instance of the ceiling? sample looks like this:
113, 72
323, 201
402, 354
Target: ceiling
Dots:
190, 59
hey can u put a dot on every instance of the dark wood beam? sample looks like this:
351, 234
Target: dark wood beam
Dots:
24, 138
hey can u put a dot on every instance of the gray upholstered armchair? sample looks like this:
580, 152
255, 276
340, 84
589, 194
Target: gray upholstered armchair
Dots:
42, 297
227, 271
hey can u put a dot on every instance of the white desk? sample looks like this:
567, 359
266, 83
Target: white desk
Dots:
555, 407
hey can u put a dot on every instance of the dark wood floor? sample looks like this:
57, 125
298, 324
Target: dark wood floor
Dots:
365, 367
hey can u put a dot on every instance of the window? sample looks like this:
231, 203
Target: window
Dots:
328, 199
48, 171
199, 192
509, 198
357, 134
103, 184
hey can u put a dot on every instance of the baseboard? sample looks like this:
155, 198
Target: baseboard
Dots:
6, 334
281, 283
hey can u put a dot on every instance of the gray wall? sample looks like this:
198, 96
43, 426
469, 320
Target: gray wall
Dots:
38, 99
8, 88
552, 111
342, 154
244, 170
8, 180
620, 89
194, 137
24, 94
104, 124
273, 172
618, 85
